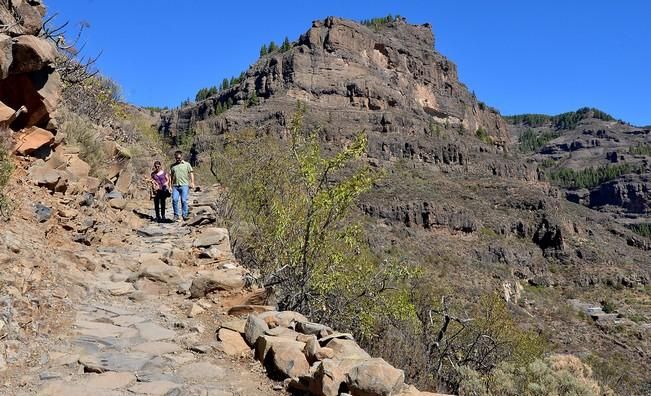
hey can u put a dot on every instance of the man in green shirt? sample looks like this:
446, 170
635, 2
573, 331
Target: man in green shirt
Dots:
182, 181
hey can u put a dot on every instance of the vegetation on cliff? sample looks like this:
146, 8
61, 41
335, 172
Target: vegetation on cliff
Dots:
589, 177
562, 121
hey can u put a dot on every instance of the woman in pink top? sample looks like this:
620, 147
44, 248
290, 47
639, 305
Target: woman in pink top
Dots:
161, 188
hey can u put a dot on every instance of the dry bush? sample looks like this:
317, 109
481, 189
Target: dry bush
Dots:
556, 375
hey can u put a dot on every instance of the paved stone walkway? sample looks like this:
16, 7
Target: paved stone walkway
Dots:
133, 335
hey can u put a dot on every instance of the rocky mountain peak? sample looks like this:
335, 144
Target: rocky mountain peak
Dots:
386, 78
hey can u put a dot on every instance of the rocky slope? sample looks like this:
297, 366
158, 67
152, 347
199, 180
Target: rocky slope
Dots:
593, 142
95, 298
458, 196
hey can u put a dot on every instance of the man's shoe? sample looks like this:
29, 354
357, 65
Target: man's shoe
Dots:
176, 218
185, 218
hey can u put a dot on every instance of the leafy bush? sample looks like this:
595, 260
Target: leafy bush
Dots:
81, 132
96, 98
554, 375
589, 177
531, 141
292, 221
483, 135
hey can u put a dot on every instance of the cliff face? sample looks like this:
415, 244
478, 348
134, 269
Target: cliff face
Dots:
389, 81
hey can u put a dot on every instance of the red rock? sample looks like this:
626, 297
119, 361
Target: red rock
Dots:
32, 139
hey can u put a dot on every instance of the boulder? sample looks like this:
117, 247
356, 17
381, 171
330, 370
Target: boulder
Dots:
246, 309
52, 179
412, 391
287, 361
32, 139
6, 114
254, 328
38, 91
157, 270
317, 329
209, 281
118, 203
124, 180
212, 237
31, 53
29, 15
6, 55
284, 318
375, 377
232, 342
347, 349
264, 343
78, 167
238, 325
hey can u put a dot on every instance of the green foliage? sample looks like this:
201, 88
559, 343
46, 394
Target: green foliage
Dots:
450, 332
286, 46
186, 102
641, 149
5, 172
555, 375
643, 229
292, 221
531, 141
608, 306
272, 46
96, 98
253, 99
205, 93
589, 177
80, 132
263, 50
483, 136
567, 120
378, 23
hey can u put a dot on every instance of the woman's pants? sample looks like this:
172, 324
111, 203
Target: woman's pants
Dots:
159, 204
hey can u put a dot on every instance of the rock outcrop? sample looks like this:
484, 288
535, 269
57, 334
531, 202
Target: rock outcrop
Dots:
28, 80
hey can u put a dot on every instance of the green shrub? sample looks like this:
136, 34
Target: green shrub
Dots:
79, 131
292, 221
483, 135
531, 141
589, 177
641, 149
554, 375
643, 229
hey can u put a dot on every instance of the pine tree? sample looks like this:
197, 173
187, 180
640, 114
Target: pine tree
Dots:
286, 45
263, 50
272, 46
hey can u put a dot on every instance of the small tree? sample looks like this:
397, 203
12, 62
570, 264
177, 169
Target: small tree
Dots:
286, 45
272, 46
293, 206
263, 50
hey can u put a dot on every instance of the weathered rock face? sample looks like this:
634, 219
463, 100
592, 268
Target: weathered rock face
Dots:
27, 75
391, 81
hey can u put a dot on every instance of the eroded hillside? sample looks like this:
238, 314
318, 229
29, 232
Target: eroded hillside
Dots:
458, 196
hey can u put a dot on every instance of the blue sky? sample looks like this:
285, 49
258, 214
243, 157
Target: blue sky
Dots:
518, 56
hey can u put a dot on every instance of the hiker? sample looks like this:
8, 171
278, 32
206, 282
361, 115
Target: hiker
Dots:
193, 155
182, 181
160, 190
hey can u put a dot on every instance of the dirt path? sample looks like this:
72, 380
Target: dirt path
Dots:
119, 319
